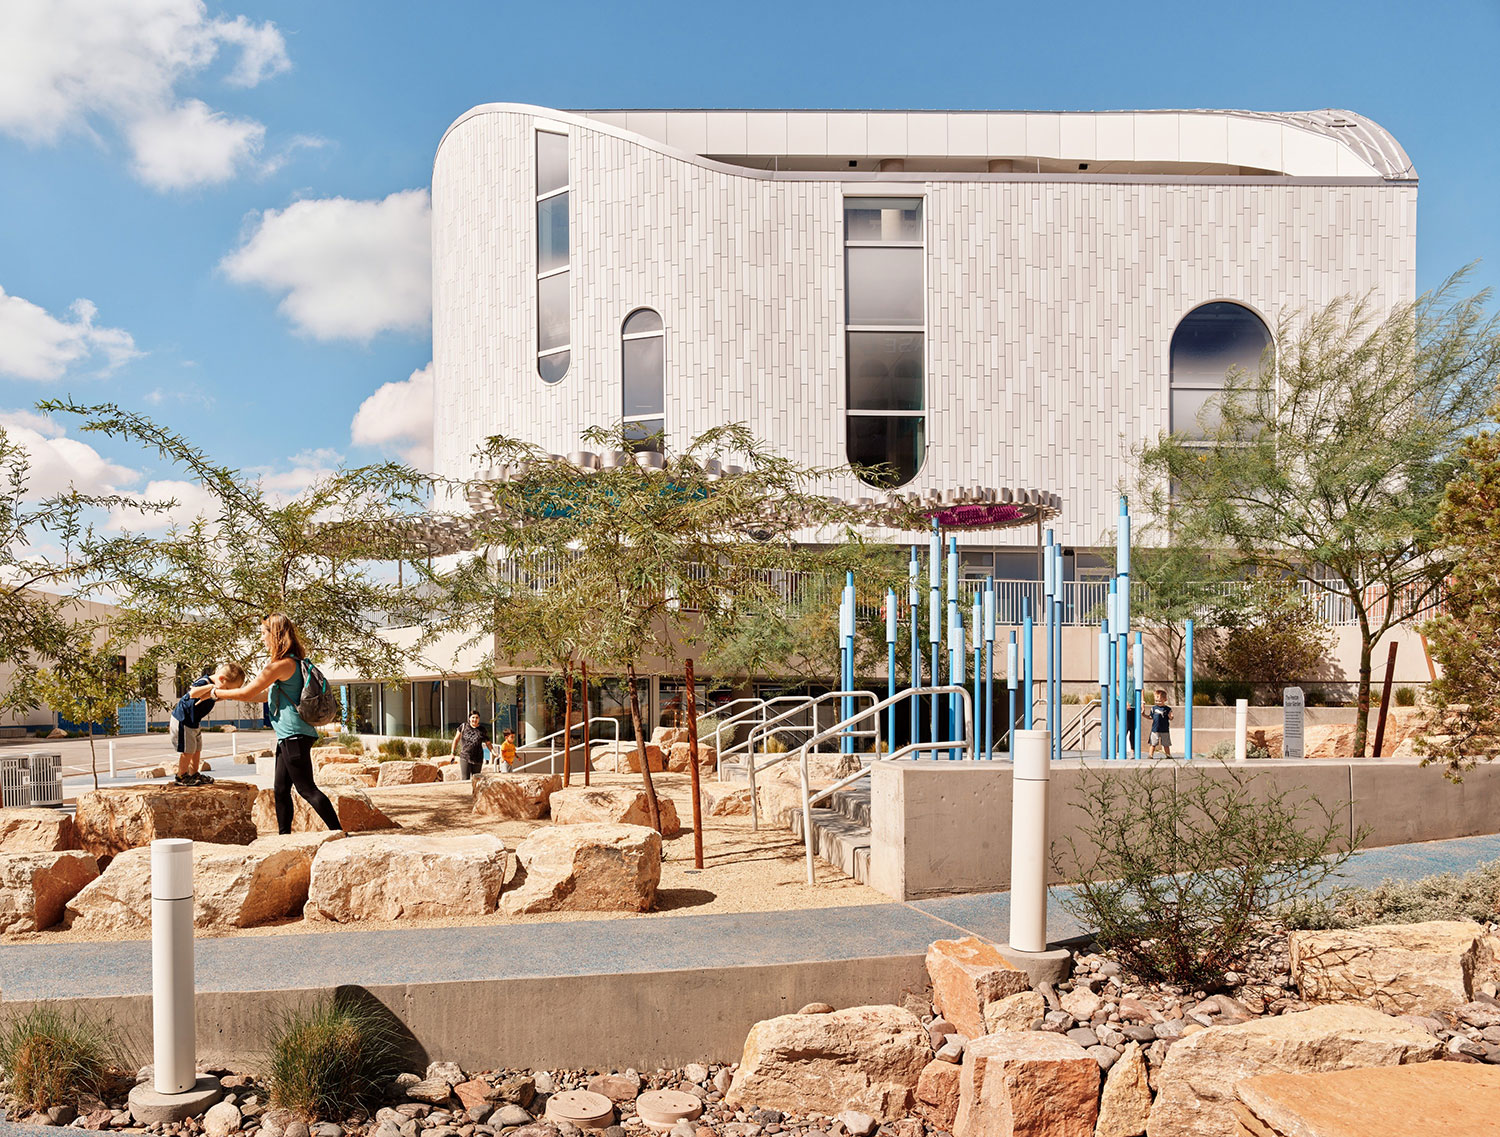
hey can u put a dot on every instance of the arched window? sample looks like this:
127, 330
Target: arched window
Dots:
643, 343
553, 306
886, 328
1211, 340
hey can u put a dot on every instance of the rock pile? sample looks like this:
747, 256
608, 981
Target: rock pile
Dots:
117, 818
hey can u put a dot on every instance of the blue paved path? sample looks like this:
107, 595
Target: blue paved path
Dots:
667, 943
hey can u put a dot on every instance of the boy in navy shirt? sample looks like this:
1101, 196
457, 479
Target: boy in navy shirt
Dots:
187, 720
1161, 726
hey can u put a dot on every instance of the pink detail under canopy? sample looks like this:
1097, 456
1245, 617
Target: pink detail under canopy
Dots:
990, 515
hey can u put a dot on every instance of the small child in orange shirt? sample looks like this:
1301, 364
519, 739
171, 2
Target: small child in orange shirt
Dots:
508, 749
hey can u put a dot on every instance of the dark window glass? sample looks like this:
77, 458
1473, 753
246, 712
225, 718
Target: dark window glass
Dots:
885, 287
896, 443
552, 233
883, 219
644, 363
641, 320
644, 434
885, 371
1211, 341
552, 312
553, 367
551, 161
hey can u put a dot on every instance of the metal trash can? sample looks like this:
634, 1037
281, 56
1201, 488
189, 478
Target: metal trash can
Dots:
15, 781
46, 779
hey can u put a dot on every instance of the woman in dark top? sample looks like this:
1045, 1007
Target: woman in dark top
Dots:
469, 744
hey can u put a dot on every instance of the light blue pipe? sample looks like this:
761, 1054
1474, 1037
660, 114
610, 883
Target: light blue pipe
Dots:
989, 671
976, 622
1028, 676
955, 620
1010, 689
934, 621
890, 665
1104, 688
1140, 685
847, 744
913, 568
1187, 713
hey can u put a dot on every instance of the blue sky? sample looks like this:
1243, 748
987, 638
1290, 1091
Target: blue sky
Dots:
237, 188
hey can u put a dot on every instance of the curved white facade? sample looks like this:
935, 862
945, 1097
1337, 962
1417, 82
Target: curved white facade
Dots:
1052, 292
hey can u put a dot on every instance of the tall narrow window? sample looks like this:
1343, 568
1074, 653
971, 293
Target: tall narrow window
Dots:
553, 326
1211, 340
643, 377
886, 329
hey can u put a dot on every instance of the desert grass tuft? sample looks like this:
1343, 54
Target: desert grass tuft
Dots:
332, 1057
50, 1058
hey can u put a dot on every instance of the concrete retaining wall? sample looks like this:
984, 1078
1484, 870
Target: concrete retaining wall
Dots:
646, 1020
939, 828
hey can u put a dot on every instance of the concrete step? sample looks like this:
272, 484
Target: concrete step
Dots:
839, 840
853, 802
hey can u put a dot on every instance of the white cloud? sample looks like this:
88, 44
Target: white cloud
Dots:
302, 470
191, 499
57, 462
192, 144
34, 344
344, 269
71, 66
399, 416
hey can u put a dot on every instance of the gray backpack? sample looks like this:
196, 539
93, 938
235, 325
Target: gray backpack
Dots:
319, 704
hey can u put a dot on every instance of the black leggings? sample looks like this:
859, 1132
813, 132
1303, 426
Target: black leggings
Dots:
294, 769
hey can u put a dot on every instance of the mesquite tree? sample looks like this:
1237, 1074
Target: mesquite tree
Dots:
634, 563
1329, 463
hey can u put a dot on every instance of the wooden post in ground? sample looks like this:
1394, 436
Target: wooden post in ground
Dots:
567, 723
587, 752
692, 726
1385, 698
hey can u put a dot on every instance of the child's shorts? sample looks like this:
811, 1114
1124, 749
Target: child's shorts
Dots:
1160, 738
186, 739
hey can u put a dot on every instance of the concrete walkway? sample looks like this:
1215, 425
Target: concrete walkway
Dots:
594, 947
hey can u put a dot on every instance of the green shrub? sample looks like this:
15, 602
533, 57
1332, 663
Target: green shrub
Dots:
52, 1058
1316, 697
333, 1057
439, 747
773, 745
707, 724
1179, 874
1448, 896
1406, 696
393, 748
350, 741
1069, 700
1202, 700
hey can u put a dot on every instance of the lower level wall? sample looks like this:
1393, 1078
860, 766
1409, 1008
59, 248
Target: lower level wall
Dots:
940, 828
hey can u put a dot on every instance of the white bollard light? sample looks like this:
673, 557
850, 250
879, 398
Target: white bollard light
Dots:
1241, 728
172, 965
1028, 840
234, 746
111, 757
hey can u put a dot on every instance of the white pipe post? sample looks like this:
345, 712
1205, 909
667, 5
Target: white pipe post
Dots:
175, 1043
1241, 728
111, 757
234, 746
1028, 840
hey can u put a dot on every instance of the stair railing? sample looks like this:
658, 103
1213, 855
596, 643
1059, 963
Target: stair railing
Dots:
771, 728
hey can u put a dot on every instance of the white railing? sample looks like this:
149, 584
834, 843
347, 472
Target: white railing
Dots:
781, 723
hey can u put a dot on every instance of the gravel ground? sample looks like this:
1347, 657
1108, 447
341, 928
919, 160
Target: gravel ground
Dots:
744, 870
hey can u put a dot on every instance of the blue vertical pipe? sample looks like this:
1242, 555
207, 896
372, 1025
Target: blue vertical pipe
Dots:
1057, 697
989, 671
912, 570
1048, 583
890, 666
1122, 562
1113, 621
1103, 688
955, 628
934, 620
976, 622
848, 742
1187, 711
1028, 676
1011, 663
1140, 683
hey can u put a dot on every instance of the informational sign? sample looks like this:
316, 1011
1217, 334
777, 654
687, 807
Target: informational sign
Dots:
1292, 716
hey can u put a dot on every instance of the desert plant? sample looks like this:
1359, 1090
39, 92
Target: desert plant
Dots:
1070, 700
1179, 873
393, 748
349, 741
332, 1057
1406, 696
773, 745
439, 747
52, 1058
1475, 895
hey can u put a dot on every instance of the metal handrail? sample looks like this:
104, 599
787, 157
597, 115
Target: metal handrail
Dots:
966, 743
799, 704
553, 752
759, 708
811, 703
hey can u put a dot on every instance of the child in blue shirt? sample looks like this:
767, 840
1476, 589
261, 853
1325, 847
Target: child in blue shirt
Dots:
1161, 727
187, 721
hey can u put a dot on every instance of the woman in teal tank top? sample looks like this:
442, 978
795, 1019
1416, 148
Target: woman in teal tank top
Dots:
280, 683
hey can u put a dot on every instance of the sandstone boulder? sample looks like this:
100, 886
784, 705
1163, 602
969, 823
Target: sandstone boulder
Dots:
864, 1058
587, 867
1125, 1104
1401, 969
324, 758
234, 886
396, 876
357, 813
1014, 1012
728, 801
401, 773
514, 797
1027, 1084
680, 757
1196, 1084
36, 831
35, 887
779, 789
117, 818
624, 758
937, 1094
1456, 1100
339, 776
612, 805
967, 975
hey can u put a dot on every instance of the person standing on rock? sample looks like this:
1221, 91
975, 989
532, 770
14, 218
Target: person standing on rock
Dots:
280, 683
470, 743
